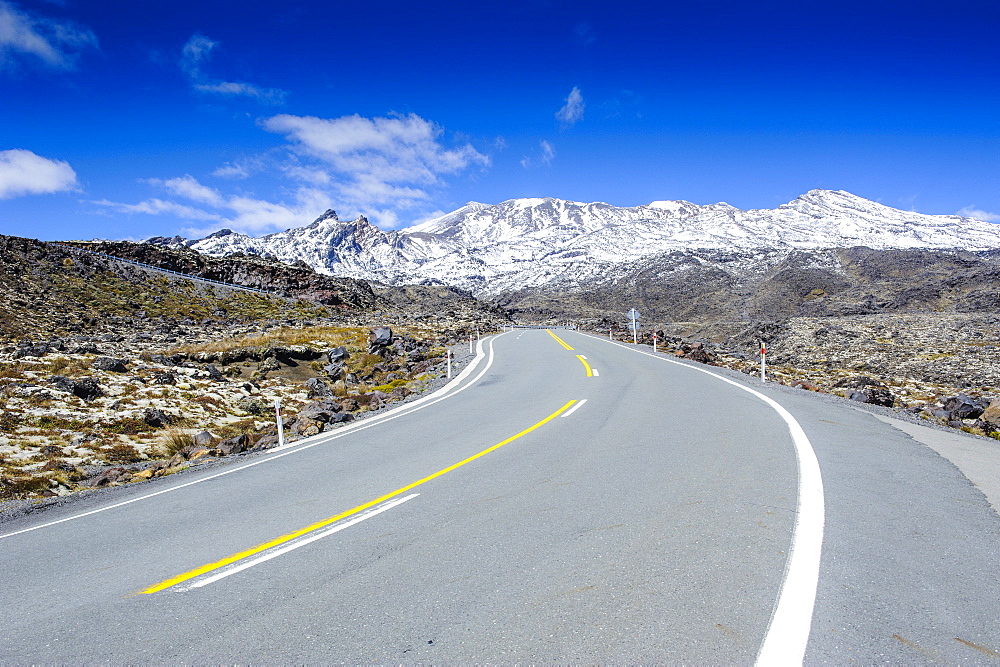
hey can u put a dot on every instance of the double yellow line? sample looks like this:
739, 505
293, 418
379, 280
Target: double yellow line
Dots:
590, 371
228, 560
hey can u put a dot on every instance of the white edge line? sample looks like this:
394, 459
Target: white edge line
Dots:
319, 439
791, 620
295, 544
574, 408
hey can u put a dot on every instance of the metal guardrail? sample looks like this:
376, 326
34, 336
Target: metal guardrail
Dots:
162, 270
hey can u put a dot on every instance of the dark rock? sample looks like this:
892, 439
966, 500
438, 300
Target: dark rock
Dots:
87, 389
237, 445
965, 407
338, 355
62, 383
157, 418
317, 388
109, 364
215, 374
109, 477
880, 396
39, 350
164, 377
321, 411
379, 341
341, 417
86, 348
334, 371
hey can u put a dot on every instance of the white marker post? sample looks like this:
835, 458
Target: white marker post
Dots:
470, 343
448, 355
763, 361
609, 335
654, 342
281, 426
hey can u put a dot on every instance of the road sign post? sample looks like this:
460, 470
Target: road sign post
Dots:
633, 316
448, 355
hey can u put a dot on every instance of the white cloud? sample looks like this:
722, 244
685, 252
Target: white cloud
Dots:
572, 111
57, 44
158, 207
187, 186
381, 162
195, 55
547, 153
377, 167
979, 214
585, 33
24, 173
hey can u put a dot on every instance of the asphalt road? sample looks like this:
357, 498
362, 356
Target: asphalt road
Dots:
618, 507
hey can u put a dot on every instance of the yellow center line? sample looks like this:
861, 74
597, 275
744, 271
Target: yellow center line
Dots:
173, 581
560, 340
590, 371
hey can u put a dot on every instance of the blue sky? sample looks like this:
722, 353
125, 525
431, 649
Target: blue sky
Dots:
126, 119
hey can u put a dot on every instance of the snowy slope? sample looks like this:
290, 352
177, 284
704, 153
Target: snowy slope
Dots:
538, 242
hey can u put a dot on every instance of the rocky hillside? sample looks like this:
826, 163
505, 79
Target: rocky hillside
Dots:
725, 288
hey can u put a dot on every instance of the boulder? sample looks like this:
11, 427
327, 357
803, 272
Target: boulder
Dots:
157, 418
87, 389
31, 350
203, 438
992, 412
62, 383
215, 374
109, 477
965, 407
237, 445
334, 371
337, 355
379, 341
316, 388
109, 364
164, 377
321, 411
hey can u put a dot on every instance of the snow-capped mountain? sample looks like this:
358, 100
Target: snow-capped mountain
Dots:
490, 249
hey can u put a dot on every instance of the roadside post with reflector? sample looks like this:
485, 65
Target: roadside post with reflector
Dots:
763, 361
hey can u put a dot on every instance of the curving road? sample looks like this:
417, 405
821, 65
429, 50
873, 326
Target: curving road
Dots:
570, 499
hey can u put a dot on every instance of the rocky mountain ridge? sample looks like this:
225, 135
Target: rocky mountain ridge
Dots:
546, 243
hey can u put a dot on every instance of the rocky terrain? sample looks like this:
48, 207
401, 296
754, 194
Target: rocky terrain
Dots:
112, 373
741, 286
944, 368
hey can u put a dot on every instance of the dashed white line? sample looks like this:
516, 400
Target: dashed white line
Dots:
574, 408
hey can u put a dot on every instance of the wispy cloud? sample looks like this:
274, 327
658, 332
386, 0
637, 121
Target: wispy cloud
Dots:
572, 111
24, 173
195, 55
979, 214
240, 212
546, 154
584, 32
373, 166
376, 163
56, 44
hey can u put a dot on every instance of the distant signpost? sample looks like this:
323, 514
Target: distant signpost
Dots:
633, 324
